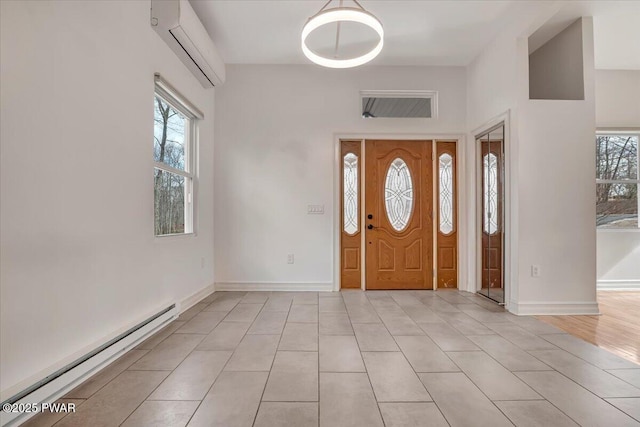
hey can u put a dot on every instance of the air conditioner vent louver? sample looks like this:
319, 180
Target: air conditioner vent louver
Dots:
190, 57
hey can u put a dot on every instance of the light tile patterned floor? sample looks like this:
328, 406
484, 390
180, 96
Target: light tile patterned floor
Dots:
395, 358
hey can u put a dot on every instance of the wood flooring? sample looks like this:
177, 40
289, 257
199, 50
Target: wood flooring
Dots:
616, 330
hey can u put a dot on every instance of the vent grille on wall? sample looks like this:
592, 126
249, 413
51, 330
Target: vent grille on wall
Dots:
399, 104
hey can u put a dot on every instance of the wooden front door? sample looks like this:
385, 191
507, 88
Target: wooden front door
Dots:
398, 209
492, 218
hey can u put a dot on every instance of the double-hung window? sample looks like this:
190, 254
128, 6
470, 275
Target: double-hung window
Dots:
617, 180
174, 149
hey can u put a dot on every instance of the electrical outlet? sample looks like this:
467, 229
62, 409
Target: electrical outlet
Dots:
290, 259
535, 271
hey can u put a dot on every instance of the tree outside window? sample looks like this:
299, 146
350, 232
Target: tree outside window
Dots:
617, 181
173, 180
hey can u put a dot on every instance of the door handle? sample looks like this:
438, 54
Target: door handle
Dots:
370, 227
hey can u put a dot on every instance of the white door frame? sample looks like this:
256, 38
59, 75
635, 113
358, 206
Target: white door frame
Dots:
465, 281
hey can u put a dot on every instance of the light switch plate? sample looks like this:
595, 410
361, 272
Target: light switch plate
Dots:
315, 209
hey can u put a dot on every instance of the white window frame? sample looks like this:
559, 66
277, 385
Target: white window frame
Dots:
175, 100
613, 132
423, 94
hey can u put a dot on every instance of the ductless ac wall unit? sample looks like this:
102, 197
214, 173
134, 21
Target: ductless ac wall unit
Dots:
179, 26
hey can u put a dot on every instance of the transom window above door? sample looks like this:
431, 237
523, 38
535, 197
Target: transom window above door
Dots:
405, 104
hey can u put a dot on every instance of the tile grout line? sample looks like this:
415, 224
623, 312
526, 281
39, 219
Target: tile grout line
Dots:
366, 370
510, 371
255, 416
574, 381
461, 371
145, 399
547, 400
173, 370
113, 379
109, 382
481, 391
621, 379
505, 367
414, 371
580, 357
376, 311
186, 356
615, 407
225, 365
105, 368
232, 353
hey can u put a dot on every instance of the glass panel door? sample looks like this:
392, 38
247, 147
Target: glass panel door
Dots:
491, 146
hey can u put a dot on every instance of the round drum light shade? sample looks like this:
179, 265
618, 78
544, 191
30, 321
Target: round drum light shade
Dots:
340, 15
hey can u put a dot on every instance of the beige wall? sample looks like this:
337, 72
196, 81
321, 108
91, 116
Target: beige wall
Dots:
79, 258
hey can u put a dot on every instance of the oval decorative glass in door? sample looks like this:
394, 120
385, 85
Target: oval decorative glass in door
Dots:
350, 193
398, 194
445, 196
490, 171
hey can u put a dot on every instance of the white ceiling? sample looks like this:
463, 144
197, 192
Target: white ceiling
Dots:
617, 35
416, 32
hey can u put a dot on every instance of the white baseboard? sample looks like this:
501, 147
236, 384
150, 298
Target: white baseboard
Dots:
195, 298
618, 285
275, 286
554, 308
57, 388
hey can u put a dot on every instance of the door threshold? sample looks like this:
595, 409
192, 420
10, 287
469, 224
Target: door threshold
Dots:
489, 298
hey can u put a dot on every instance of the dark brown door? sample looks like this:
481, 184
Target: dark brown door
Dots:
492, 218
350, 270
398, 194
446, 215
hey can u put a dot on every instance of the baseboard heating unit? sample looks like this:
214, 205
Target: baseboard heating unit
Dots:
60, 382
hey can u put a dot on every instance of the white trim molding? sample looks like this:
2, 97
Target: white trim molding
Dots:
529, 308
423, 94
275, 286
56, 388
195, 298
618, 285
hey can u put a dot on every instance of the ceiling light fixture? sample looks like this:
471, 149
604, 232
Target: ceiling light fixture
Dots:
338, 15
